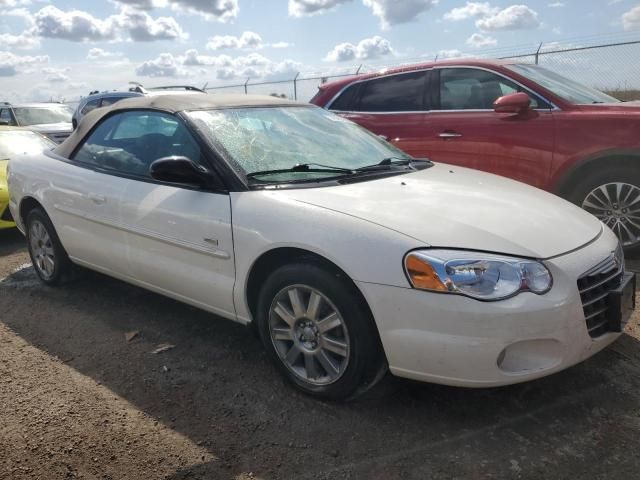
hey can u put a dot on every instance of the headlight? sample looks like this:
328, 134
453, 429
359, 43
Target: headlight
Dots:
483, 276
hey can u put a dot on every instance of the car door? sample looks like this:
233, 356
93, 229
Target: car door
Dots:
174, 239
463, 129
392, 106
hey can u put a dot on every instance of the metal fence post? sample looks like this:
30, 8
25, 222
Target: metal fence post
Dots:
245, 85
538, 52
295, 86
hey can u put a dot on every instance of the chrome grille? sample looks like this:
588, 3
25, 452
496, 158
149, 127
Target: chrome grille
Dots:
594, 287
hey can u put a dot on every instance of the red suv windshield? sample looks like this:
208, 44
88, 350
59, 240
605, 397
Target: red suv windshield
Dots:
563, 87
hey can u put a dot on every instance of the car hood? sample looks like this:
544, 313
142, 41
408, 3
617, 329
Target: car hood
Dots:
51, 127
454, 207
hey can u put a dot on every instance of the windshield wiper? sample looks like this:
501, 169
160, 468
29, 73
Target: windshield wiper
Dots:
302, 167
385, 164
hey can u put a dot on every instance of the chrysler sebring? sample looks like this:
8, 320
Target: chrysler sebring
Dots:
347, 256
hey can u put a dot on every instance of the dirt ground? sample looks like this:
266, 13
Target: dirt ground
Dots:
77, 400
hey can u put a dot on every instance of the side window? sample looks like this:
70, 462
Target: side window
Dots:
348, 100
91, 105
106, 101
396, 93
473, 89
6, 117
128, 143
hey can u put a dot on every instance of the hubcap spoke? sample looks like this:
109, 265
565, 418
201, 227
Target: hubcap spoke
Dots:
314, 304
327, 363
330, 322
296, 302
311, 366
293, 354
284, 313
282, 334
335, 346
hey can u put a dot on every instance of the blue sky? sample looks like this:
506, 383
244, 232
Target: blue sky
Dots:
64, 48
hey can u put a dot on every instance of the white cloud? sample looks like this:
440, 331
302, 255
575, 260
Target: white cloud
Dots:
393, 12
165, 65
631, 19
13, 3
366, 49
248, 40
471, 10
23, 41
220, 10
79, 26
281, 45
11, 63
252, 65
452, 53
305, 8
141, 27
56, 75
515, 17
479, 40
556, 5
99, 54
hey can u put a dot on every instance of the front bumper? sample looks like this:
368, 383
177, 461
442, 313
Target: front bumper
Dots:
455, 340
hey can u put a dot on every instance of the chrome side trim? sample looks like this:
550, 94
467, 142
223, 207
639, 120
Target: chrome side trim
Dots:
143, 232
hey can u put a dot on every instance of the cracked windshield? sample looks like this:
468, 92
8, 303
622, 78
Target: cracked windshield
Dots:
279, 138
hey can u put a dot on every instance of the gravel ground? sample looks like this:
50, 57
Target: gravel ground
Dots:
78, 400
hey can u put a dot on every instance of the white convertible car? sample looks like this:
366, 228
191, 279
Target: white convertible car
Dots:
347, 255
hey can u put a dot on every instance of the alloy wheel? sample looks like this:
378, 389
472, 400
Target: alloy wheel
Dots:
309, 334
41, 246
618, 206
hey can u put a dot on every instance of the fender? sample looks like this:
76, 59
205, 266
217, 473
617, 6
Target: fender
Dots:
562, 178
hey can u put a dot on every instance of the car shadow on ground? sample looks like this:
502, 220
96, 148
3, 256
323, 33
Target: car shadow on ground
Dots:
217, 388
11, 241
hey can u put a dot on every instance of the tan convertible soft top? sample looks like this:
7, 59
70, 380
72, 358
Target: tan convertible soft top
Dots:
171, 103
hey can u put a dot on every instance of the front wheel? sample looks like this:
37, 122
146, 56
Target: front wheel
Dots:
318, 332
613, 197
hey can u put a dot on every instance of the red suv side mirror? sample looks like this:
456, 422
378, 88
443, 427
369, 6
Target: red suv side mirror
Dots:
513, 103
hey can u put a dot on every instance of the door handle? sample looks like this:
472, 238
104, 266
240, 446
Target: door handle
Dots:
97, 199
449, 135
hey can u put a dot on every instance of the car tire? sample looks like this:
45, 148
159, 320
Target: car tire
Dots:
610, 196
318, 331
49, 258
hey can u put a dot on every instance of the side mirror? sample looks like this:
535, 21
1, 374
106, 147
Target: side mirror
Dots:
182, 170
513, 103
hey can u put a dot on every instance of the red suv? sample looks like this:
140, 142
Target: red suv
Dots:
517, 120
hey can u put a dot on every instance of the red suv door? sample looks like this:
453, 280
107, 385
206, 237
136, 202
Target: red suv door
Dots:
393, 106
463, 129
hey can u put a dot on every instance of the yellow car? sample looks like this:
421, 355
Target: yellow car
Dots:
15, 141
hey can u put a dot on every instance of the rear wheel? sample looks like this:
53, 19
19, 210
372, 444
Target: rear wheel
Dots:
317, 331
614, 197
49, 258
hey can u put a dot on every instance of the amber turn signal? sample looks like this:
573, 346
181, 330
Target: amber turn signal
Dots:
422, 275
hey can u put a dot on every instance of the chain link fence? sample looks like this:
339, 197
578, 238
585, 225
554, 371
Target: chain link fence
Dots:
610, 66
